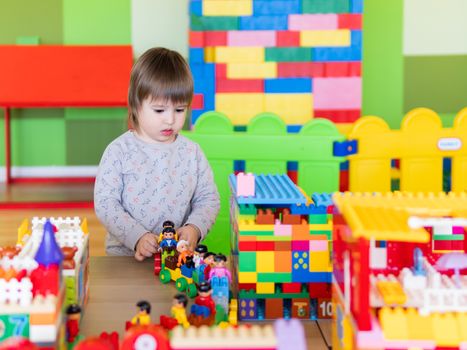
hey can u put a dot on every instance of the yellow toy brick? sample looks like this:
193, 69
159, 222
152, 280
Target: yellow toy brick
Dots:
420, 327
315, 38
227, 7
321, 227
292, 108
320, 262
240, 107
247, 277
252, 70
445, 330
233, 54
392, 292
461, 324
210, 54
265, 288
265, 261
394, 323
250, 225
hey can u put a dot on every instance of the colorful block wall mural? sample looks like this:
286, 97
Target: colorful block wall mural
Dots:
300, 59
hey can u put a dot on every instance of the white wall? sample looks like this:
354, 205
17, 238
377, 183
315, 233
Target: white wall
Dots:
435, 27
159, 23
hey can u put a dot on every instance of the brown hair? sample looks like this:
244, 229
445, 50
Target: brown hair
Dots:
161, 74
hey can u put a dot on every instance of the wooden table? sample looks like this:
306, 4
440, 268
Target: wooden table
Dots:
118, 283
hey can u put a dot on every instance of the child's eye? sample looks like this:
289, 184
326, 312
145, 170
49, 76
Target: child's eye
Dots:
180, 110
158, 110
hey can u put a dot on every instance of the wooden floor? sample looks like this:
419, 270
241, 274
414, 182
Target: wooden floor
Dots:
11, 219
17, 193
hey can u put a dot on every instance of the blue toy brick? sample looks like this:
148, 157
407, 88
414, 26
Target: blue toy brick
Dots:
196, 55
276, 7
356, 38
239, 165
344, 165
345, 148
292, 166
196, 7
201, 70
304, 209
186, 271
270, 189
264, 22
294, 129
220, 291
352, 53
356, 6
247, 309
290, 85
322, 199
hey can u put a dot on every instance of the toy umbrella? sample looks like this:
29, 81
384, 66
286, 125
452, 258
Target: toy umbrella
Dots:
456, 261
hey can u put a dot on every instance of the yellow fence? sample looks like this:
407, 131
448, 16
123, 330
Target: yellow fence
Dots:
420, 145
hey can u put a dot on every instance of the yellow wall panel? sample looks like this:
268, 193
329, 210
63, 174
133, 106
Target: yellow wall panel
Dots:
225, 54
326, 38
240, 107
292, 108
252, 70
227, 7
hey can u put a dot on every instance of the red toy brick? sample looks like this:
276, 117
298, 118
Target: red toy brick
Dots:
301, 308
336, 69
246, 286
198, 102
221, 71
319, 290
349, 21
300, 69
196, 39
287, 38
247, 246
239, 85
339, 116
282, 246
274, 308
264, 246
215, 38
355, 69
290, 219
292, 287
265, 217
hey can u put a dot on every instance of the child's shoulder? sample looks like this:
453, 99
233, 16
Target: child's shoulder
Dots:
122, 141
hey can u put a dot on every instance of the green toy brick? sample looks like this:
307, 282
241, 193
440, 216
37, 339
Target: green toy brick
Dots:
318, 219
328, 233
247, 209
288, 54
247, 261
28, 40
279, 277
255, 233
448, 237
213, 23
274, 238
250, 294
325, 6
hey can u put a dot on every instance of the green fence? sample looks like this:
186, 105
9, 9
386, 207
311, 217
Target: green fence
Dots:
266, 147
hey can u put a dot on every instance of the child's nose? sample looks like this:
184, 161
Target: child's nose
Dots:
170, 118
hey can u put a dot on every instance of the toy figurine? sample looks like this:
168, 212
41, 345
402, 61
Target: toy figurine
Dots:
199, 253
204, 305
168, 241
209, 262
143, 316
219, 269
73, 313
168, 223
183, 252
178, 309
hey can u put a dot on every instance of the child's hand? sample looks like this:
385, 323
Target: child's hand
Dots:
191, 234
146, 246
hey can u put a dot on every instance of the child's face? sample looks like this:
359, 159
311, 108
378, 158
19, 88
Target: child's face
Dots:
160, 121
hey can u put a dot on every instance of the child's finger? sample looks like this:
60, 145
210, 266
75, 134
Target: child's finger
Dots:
139, 257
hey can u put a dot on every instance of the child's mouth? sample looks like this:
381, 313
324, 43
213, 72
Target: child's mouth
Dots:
167, 132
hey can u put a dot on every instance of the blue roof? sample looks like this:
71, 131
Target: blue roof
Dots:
269, 190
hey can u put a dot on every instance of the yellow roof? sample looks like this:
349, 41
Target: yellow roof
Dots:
385, 216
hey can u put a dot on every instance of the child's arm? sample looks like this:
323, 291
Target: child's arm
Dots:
205, 202
108, 190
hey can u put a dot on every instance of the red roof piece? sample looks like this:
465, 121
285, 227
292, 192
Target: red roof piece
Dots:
64, 76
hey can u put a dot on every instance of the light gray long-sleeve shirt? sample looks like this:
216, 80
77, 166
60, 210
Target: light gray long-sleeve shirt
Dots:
141, 185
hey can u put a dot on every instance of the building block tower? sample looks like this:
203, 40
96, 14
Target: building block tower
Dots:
300, 59
281, 250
